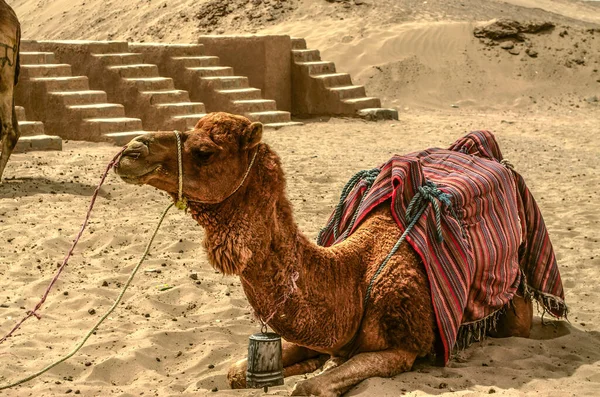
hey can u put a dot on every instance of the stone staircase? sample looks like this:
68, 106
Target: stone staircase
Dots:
144, 92
214, 85
65, 102
320, 90
33, 136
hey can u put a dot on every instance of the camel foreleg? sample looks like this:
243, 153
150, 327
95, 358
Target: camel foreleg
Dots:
297, 360
339, 380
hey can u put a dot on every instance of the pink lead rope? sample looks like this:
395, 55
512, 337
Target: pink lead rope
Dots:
69, 254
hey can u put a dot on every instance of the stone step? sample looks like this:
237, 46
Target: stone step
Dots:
180, 108
47, 70
277, 116
29, 46
136, 70
77, 83
211, 71
254, 105
306, 55
37, 143
98, 110
226, 82
105, 47
126, 58
241, 93
190, 119
195, 62
349, 91
36, 58
72, 98
361, 103
298, 43
152, 83
95, 128
174, 50
31, 128
20, 110
276, 126
123, 138
334, 79
318, 67
166, 96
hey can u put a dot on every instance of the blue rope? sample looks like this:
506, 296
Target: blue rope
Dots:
428, 193
369, 176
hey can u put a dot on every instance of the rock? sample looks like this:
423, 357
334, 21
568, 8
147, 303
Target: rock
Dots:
514, 51
504, 28
105, 283
194, 276
592, 99
531, 52
507, 45
359, 2
92, 311
375, 114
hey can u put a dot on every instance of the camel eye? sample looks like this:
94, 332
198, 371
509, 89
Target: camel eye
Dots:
201, 156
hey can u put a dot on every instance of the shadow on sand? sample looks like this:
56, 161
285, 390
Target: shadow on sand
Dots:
30, 186
553, 351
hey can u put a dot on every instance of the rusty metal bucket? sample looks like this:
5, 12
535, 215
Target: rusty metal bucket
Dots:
265, 365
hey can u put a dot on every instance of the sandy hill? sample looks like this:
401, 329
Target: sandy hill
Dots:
411, 53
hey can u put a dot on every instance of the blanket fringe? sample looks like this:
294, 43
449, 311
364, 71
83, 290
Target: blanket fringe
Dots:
477, 331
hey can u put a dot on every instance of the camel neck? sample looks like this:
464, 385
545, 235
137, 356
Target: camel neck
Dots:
289, 281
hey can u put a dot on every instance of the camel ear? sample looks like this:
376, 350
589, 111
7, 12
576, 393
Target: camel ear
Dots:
252, 135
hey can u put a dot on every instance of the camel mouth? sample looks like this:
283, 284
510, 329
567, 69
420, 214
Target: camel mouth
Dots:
133, 166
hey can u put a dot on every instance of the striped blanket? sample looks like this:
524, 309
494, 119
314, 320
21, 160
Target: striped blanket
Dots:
495, 243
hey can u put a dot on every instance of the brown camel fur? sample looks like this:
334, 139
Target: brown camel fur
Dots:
312, 296
10, 41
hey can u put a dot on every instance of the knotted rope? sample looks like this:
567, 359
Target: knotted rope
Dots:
369, 177
427, 194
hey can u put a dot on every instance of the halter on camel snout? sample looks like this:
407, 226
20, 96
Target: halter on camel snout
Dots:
182, 202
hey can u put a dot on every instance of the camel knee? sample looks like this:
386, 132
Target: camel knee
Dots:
236, 376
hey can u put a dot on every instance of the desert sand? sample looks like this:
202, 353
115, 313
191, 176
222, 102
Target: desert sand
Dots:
420, 57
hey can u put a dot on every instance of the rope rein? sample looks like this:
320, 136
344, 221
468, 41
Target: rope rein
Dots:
180, 201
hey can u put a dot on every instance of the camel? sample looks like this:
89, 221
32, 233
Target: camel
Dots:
10, 41
311, 295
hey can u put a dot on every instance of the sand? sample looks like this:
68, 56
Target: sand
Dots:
420, 57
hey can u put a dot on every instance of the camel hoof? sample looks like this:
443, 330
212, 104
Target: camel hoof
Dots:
236, 376
312, 387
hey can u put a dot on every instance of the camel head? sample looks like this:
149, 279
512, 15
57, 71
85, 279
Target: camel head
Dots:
215, 157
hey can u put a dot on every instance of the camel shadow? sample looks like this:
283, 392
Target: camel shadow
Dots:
31, 186
553, 351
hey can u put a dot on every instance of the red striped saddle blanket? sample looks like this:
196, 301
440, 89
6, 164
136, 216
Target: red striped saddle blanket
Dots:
495, 243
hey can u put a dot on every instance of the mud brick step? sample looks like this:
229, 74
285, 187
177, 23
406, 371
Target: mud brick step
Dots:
127, 58
47, 70
38, 142
71, 98
98, 110
349, 91
226, 82
334, 79
166, 96
196, 62
52, 84
306, 55
135, 70
318, 67
36, 58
